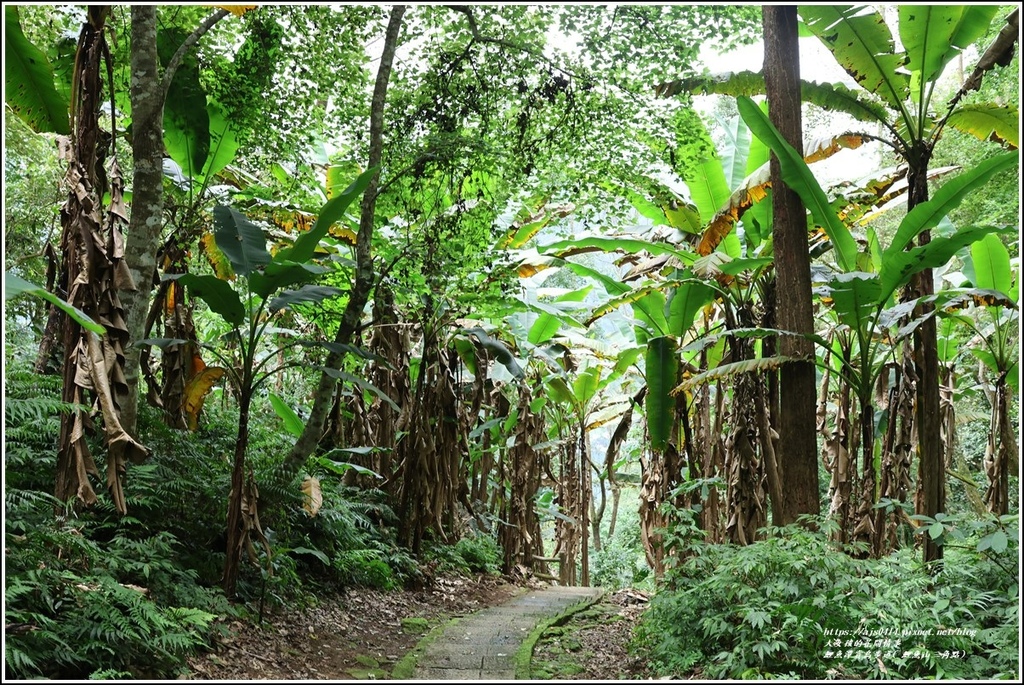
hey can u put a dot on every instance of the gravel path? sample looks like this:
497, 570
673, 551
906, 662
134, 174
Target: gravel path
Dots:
483, 645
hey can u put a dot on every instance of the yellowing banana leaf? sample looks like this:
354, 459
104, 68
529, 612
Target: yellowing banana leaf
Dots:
343, 233
217, 260
236, 10
607, 414
988, 121
196, 390
734, 369
824, 147
755, 187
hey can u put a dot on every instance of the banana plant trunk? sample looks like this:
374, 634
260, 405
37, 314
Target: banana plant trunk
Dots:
236, 537
1002, 445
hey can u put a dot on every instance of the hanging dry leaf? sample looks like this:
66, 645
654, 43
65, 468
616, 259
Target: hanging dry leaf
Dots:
314, 497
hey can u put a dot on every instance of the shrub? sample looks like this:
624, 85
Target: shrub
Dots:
793, 605
480, 553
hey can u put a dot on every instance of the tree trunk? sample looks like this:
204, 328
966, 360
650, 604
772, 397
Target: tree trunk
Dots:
614, 517
798, 462
148, 94
1001, 445
147, 97
363, 281
597, 513
931, 483
585, 496
236, 526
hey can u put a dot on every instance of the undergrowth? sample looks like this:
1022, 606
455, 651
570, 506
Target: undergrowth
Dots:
795, 606
94, 594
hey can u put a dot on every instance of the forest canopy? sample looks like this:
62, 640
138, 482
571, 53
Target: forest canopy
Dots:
309, 297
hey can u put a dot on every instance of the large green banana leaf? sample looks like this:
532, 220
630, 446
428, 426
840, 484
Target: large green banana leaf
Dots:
28, 81
933, 34
798, 176
862, 44
662, 370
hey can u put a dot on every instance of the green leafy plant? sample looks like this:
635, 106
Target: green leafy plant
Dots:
249, 314
786, 607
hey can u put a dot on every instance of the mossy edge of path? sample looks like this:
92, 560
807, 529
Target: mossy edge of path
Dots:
524, 655
405, 668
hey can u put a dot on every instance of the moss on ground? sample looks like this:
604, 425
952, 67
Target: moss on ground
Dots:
569, 655
524, 655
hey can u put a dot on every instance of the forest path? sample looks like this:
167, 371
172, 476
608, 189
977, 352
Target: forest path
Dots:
484, 645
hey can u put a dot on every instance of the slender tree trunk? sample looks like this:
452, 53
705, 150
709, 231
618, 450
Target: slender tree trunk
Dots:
798, 462
147, 97
363, 282
931, 482
148, 93
597, 513
613, 519
585, 497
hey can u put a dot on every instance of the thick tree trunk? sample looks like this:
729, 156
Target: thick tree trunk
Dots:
363, 282
797, 458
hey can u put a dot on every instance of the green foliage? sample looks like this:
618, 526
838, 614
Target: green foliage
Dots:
77, 604
788, 605
28, 80
478, 553
95, 591
481, 553
620, 563
32, 199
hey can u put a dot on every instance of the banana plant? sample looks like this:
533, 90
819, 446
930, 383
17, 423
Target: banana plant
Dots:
905, 81
862, 288
574, 388
994, 345
249, 311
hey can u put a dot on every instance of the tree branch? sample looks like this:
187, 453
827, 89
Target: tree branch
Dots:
193, 38
478, 37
